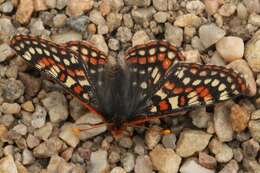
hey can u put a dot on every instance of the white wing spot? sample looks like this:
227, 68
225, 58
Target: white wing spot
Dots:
203, 73
27, 56
155, 71
171, 55
84, 82
162, 49
143, 85
31, 50
141, 52
215, 82
38, 50
84, 51
56, 58
53, 49
229, 79
152, 51
142, 72
180, 74
192, 94
66, 62
92, 71
94, 54
186, 80
73, 59
35, 42
174, 102
162, 94
196, 82
21, 45
75, 48
17, 48
207, 81
46, 52
86, 96
157, 78
70, 81
153, 109
221, 87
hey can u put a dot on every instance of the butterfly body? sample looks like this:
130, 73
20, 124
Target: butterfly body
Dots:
153, 81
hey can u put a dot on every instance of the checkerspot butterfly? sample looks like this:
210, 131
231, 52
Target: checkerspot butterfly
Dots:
152, 82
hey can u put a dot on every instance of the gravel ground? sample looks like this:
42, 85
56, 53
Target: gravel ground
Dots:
36, 116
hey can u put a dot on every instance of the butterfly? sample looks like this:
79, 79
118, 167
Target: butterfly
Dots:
152, 81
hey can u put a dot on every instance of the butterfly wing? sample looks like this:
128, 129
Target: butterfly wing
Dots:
148, 64
94, 59
64, 65
190, 85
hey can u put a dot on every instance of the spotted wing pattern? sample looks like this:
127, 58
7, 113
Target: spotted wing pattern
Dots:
94, 60
190, 85
63, 64
150, 63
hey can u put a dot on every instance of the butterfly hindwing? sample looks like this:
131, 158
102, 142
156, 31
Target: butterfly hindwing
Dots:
190, 85
62, 64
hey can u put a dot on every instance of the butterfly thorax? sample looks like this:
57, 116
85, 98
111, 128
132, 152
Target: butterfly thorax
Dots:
115, 96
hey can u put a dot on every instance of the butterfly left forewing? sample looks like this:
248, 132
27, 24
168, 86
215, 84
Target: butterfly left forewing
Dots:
59, 62
190, 85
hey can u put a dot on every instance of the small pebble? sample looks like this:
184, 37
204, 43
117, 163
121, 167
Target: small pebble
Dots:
152, 136
222, 124
242, 67
20, 129
207, 161
117, 170
57, 106
13, 89
27, 157
161, 17
173, 34
231, 167
128, 161
188, 144
163, 159
124, 34
10, 108
188, 20
7, 164
169, 141
196, 7
140, 37
227, 9
39, 117
113, 44
7, 7
211, 6
69, 136
250, 148
28, 106
100, 42
78, 7
24, 11
143, 15
98, 162
252, 52
239, 117
6, 52
160, 5
230, 48
44, 132
125, 142
143, 164
223, 153
210, 34
191, 166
